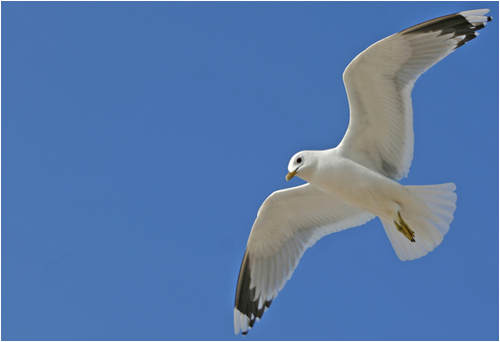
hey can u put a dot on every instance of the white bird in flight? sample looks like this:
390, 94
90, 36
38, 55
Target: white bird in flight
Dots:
352, 183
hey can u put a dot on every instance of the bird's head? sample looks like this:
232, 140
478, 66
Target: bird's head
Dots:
302, 164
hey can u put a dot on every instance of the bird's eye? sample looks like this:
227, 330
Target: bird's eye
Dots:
299, 160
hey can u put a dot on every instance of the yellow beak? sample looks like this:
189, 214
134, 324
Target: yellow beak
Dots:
291, 174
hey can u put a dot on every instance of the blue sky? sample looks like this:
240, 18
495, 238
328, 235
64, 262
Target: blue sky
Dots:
140, 139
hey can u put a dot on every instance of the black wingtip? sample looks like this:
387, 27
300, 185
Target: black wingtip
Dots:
245, 301
456, 24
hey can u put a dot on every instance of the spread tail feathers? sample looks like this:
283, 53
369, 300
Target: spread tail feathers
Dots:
430, 222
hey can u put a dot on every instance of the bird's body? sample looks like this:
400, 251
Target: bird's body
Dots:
358, 186
355, 184
356, 181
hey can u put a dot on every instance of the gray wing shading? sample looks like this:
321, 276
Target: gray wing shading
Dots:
379, 82
288, 222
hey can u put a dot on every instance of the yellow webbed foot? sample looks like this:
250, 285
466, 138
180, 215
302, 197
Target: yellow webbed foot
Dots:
404, 229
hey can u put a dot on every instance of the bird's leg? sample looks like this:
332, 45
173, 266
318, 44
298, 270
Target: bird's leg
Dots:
404, 229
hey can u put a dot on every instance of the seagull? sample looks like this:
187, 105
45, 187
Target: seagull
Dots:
356, 181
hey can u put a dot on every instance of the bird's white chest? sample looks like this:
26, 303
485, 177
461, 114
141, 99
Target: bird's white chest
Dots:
358, 186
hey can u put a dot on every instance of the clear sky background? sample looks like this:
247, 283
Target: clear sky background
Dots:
140, 139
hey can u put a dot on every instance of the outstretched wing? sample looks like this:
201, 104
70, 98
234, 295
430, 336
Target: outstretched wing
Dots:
288, 222
379, 82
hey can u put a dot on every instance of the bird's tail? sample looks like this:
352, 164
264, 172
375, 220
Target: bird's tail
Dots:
429, 222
